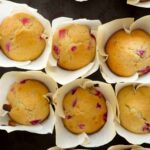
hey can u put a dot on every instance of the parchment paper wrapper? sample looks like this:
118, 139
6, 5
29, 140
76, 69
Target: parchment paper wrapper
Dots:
126, 147
66, 139
64, 76
81, 0
130, 136
138, 3
105, 31
5, 84
57, 148
8, 8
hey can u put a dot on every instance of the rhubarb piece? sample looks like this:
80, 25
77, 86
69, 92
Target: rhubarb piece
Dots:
62, 33
81, 126
25, 21
56, 49
74, 103
144, 70
35, 122
7, 46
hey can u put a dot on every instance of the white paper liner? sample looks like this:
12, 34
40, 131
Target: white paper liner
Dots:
138, 3
64, 76
105, 32
126, 147
57, 148
81, 0
5, 83
66, 139
8, 8
130, 136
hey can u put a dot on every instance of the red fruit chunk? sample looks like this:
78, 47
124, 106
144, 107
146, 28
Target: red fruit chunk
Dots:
105, 117
146, 127
144, 70
73, 48
23, 81
98, 105
7, 46
73, 91
35, 122
62, 33
96, 92
74, 103
68, 117
25, 21
81, 126
140, 53
56, 49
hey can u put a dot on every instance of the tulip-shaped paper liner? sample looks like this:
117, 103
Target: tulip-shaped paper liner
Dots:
131, 137
81, 0
5, 84
66, 139
126, 147
63, 76
57, 148
138, 3
105, 31
8, 8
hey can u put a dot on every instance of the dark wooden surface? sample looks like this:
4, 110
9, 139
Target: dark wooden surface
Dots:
105, 10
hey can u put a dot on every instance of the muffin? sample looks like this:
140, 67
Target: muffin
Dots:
129, 53
21, 37
85, 110
26, 102
74, 46
134, 108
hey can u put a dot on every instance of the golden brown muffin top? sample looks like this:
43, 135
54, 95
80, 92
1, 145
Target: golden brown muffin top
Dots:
85, 110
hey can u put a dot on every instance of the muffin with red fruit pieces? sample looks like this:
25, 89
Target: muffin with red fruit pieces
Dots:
26, 102
21, 37
134, 108
85, 110
74, 46
129, 53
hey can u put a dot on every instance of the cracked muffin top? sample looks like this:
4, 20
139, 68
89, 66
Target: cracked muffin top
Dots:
26, 102
74, 46
21, 37
85, 110
134, 108
129, 53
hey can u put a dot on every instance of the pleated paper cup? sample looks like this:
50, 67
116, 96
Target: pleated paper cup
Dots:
8, 8
5, 84
126, 147
66, 139
64, 76
131, 137
105, 31
137, 3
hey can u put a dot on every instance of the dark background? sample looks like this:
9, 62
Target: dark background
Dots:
105, 10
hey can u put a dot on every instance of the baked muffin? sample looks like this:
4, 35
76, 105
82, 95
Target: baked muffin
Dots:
27, 104
129, 53
74, 46
20, 37
85, 110
134, 106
